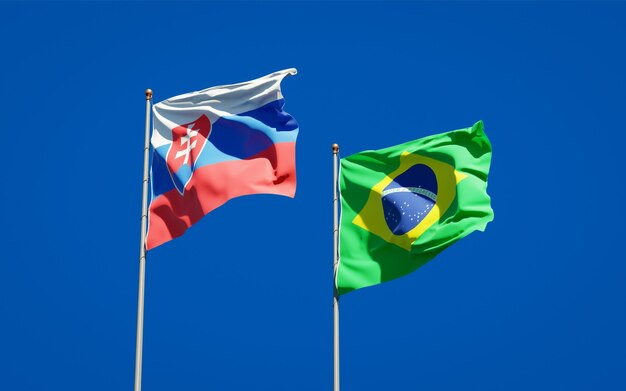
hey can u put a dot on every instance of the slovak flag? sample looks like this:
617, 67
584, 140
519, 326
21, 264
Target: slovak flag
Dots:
216, 144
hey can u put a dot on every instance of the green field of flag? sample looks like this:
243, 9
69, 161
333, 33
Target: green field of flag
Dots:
403, 205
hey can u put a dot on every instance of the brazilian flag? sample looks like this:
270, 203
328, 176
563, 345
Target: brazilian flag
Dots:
403, 205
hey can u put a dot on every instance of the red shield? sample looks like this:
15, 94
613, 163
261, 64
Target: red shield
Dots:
188, 140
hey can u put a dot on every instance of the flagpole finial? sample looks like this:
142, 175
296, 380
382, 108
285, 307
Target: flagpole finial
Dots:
148, 94
335, 148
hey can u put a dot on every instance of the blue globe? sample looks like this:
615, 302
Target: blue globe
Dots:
409, 198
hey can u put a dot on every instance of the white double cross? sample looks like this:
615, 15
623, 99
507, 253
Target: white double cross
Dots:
186, 139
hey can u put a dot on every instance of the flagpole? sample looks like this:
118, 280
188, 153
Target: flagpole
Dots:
142, 247
335, 262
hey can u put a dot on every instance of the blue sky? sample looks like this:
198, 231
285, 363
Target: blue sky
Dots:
243, 301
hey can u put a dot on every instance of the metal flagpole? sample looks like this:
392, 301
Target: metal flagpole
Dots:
335, 262
142, 247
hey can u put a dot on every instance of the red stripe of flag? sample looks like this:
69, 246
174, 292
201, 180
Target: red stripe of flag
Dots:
272, 171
